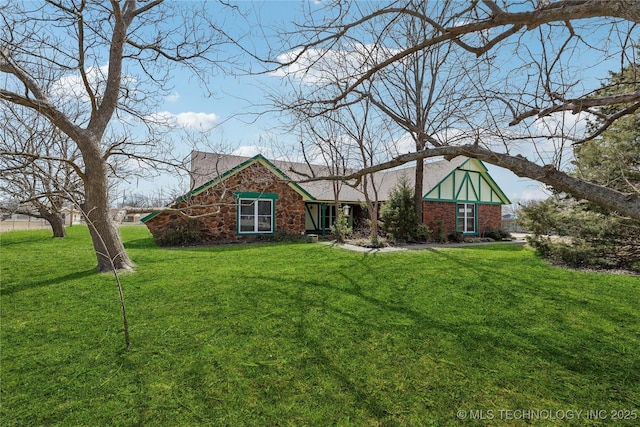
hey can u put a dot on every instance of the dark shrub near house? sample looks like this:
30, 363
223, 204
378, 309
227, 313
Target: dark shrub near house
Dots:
399, 212
497, 234
180, 233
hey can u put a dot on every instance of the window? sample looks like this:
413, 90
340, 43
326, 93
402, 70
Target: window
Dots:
466, 218
255, 216
329, 216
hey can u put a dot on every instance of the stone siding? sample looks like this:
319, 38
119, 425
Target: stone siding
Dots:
217, 208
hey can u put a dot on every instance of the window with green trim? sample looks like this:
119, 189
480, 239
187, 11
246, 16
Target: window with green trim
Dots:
256, 216
329, 216
466, 217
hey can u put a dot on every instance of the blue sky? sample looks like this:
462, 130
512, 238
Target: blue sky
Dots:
240, 131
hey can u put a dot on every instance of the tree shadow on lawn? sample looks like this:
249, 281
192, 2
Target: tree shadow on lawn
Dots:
5, 244
9, 290
146, 243
549, 303
494, 246
356, 383
149, 253
501, 333
221, 247
319, 353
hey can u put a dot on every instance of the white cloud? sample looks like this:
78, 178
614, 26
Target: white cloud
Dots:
322, 66
403, 145
253, 150
201, 121
563, 123
173, 97
309, 67
72, 87
187, 120
538, 193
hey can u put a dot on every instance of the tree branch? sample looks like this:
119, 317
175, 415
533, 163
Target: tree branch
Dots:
623, 203
578, 105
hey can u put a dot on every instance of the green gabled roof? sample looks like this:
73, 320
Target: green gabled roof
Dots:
255, 159
469, 182
148, 217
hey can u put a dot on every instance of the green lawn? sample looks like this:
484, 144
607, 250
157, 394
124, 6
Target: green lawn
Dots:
305, 334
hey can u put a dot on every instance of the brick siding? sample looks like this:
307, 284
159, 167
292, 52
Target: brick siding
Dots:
489, 216
218, 201
434, 212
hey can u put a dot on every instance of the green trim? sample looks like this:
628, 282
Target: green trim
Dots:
257, 158
255, 196
216, 180
149, 217
341, 201
453, 188
466, 183
496, 188
458, 189
304, 193
313, 221
462, 201
476, 192
456, 192
323, 213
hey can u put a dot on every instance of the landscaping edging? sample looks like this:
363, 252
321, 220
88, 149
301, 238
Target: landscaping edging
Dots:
415, 246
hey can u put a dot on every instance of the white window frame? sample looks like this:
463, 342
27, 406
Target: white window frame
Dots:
244, 202
469, 213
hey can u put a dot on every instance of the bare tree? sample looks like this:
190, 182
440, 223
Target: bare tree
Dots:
37, 166
366, 134
109, 60
323, 144
537, 56
423, 92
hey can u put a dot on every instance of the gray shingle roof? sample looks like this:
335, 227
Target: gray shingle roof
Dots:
207, 166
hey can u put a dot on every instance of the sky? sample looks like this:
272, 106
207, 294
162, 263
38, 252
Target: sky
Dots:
230, 117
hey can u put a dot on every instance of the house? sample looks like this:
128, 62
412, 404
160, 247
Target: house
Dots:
238, 198
72, 215
122, 216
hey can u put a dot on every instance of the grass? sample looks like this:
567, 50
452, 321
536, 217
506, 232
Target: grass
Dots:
304, 334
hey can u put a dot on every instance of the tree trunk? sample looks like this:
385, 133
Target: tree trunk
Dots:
109, 249
51, 216
417, 189
373, 217
57, 224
